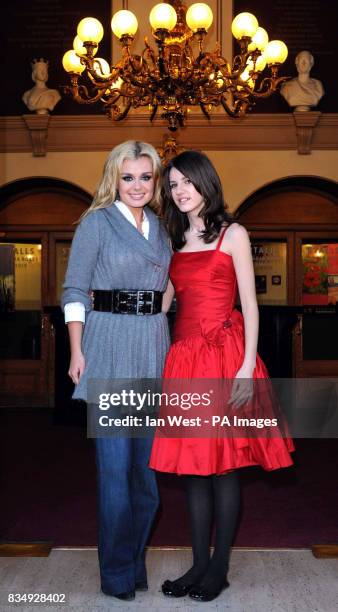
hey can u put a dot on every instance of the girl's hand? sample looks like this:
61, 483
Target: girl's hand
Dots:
242, 388
76, 367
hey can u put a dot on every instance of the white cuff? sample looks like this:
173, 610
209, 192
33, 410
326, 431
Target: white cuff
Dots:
75, 311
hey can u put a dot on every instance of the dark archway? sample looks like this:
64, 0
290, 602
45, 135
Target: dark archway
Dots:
37, 215
282, 188
40, 184
290, 214
42, 202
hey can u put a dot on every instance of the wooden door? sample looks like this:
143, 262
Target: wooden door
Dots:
316, 332
36, 230
26, 354
300, 214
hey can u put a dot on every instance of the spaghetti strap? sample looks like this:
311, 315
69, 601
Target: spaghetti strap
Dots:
221, 238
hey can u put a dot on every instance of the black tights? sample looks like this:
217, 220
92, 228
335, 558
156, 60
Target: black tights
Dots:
211, 497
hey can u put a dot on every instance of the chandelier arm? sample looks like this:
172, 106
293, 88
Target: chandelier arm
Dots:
237, 105
113, 96
116, 114
133, 60
100, 82
189, 53
271, 84
148, 50
160, 59
131, 80
240, 61
153, 112
205, 60
92, 73
77, 92
204, 110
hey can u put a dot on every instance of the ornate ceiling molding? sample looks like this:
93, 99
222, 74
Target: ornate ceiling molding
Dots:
261, 132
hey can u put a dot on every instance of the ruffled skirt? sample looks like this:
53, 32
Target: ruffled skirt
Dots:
217, 352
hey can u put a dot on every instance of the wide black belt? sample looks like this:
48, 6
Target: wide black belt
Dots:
125, 301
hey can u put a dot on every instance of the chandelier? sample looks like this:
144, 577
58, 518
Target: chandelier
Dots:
178, 73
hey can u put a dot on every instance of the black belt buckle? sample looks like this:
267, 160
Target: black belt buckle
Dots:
145, 300
133, 302
124, 302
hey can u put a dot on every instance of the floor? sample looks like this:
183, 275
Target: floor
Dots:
260, 581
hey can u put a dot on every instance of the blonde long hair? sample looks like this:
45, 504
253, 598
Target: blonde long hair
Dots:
107, 190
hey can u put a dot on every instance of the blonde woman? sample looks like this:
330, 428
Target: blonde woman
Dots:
120, 253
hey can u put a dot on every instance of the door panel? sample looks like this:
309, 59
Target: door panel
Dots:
35, 211
26, 333
316, 334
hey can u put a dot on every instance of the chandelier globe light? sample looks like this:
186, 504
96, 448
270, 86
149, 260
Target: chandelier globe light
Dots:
124, 23
91, 29
245, 25
101, 66
259, 40
72, 62
180, 73
163, 17
275, 52
199, 17
79, 48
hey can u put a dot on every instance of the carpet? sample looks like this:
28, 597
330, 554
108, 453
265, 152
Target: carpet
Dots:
48, 491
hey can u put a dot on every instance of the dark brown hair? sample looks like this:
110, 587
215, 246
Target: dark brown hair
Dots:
198, 168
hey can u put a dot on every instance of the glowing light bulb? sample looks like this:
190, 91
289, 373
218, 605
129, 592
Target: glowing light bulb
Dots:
260, 63
199, 16
71, 62
276, 52
90, 29
101, 67
244, 24
163, 17
124, 23
79, 48
259, 40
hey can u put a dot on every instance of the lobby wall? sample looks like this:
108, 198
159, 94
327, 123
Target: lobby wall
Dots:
242, 172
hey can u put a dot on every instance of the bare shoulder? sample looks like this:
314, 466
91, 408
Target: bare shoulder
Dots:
236, 235
236, 229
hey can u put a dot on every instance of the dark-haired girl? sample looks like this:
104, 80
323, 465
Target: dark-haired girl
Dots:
211, 340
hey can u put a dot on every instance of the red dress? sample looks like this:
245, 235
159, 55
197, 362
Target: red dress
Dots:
209, 343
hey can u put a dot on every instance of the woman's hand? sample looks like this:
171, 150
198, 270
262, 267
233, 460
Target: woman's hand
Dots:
76, 367
242, 387
77, 361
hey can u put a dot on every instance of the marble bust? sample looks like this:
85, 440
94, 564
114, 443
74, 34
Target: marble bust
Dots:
303, 92
40, 98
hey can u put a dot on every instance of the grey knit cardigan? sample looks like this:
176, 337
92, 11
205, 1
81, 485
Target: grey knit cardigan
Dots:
109, 253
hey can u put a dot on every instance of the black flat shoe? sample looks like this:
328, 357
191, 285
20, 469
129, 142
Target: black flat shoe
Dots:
171, 589
199, 593
141, 585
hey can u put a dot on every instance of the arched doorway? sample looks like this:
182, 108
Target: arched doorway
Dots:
37, 217
293, 224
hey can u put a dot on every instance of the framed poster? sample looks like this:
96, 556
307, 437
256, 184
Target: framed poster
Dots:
320, 274
269, 259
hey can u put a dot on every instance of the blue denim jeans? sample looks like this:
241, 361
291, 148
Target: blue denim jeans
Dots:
127, 504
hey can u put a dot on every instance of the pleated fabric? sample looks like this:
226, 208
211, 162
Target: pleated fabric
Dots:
209, 343
109, 253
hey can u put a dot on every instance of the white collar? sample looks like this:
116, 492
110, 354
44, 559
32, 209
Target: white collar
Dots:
130, 217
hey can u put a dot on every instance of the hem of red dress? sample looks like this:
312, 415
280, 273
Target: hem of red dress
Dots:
225, 470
